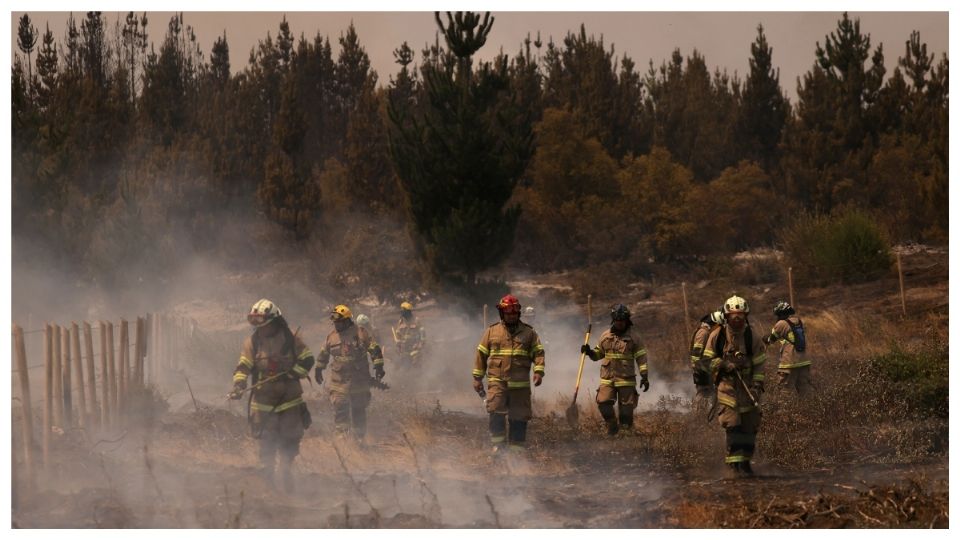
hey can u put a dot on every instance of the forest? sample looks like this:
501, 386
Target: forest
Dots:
131, 143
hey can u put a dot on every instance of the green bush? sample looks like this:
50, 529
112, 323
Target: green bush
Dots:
848, 246
920, 377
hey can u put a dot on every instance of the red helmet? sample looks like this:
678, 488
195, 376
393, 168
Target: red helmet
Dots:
509, 304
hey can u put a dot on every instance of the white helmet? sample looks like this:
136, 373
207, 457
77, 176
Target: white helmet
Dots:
363, 320
263, 313
735, 303
716, 317
529, 312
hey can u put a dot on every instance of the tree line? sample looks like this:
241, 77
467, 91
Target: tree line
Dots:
561, 155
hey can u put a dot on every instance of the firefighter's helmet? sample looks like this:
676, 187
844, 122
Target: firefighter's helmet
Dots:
406, 306
508, 304
340, 312
529, 313
619, 312
735, 304
783, 309
363, 320
263, 313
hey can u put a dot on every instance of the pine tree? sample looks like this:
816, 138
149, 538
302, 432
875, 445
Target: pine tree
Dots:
764, 108
26, 41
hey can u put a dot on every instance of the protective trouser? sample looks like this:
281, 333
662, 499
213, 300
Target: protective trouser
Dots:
742, 438
797, 379
624, 397
350, 412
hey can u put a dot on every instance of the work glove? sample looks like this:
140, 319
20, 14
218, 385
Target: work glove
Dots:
238, 388
537, 379
585, 349
700, 378
478, 387
378, 372
644, 382
727, 366
318, 375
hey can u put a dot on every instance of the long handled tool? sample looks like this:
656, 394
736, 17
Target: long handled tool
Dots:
573, 412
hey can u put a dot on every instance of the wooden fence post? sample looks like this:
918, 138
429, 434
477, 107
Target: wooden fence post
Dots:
91, 374
26, 406
589, 309
67, 367
148, 374
485, 316
82, 420
790, 286
104, 379
138, 355
686, 310
48, 406
903, 296
124, 366
112, 369
57, 379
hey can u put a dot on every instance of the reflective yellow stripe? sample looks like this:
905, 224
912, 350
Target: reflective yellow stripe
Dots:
758, 376
306, 352
246, 361
377, 361
537, 348
639, 353
643, 368
606, 382
496, 439
709, 353
513, 445
790, 337
736, 459
698, 346
478, 373
746, 408
299, 370
280, 408
538, 369
510, 352
483, 350
620, 384
239, 376
796, 365
726, 400
759, 359
494, 379
694, 359
617, 356
518, 384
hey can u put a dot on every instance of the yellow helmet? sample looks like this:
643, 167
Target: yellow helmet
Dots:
406, 306
263, 313
340, 312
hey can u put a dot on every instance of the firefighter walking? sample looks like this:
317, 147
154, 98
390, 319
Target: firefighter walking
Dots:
409, 336
619, 349
698, 364
793, 368
346, 352
736, 354
277, 358
507, 351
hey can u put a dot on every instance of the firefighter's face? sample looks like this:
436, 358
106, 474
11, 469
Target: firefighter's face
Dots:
269, 330
736, 320
620, 325
511, 316
341, 323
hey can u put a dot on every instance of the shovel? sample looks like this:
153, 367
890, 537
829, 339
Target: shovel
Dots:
573, 412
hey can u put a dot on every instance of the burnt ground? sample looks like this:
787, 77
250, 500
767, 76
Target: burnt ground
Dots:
427, 463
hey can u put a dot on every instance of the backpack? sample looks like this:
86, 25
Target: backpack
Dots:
799, 338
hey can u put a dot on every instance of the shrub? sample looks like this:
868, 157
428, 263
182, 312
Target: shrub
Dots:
920, 377
849, 246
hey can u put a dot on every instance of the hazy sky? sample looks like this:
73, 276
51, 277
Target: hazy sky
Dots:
723, 38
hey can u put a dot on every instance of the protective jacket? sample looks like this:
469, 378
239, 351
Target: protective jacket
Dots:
346, 354
506, 357
789, 357
617, 354
410, 336
268, 356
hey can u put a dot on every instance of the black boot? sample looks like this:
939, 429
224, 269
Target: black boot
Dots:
612, 427
746, 469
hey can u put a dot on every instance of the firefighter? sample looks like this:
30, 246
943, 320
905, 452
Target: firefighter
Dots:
409, 335
700, 365
277, 358
736, 357
619, 348
793, 368
364, 322
346, 351
505, 355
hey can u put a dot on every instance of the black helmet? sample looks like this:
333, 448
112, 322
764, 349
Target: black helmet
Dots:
620, 312
783, 309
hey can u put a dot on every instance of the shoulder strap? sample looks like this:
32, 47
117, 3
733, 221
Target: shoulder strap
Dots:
748, 339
